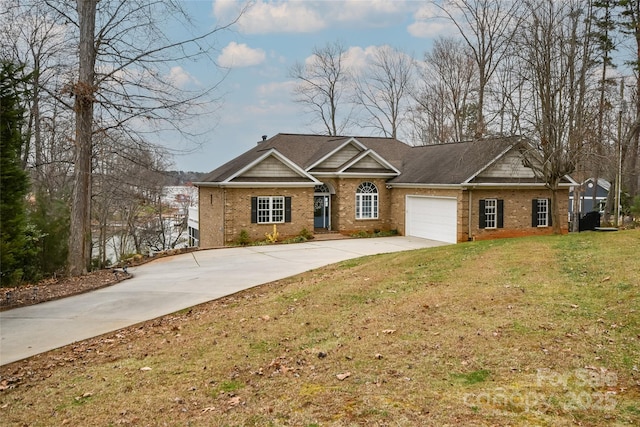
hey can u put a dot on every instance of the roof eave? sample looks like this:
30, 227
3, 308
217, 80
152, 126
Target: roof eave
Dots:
335, 150
485, 167
206, 184
376, 156
423, 185
512, 185
273, 184
275, 153
355, 175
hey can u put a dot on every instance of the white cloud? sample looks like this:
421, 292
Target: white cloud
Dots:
240, 55
180, 77
225, 8
354, 59
273, 16
370, 13
276, 88
299, 16
430, 29
430, 21
357, 58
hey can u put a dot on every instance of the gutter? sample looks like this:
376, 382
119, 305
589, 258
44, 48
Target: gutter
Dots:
254, 184
414, 185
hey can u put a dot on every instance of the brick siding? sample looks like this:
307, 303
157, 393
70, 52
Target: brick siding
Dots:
517, 211
398, 207
230, 213
343, 209
224, 213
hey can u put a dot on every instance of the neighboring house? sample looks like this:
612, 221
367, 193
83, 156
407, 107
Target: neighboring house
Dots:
593, 195
193, 227
450, 192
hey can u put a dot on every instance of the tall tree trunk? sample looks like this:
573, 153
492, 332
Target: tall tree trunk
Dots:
480, 125
80, 232
556, 220
633, 174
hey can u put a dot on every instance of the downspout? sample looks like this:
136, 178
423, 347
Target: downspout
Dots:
224, 217
469, 237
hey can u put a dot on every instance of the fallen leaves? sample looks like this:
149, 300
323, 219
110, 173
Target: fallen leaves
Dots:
84, 396
343, 376
234, 401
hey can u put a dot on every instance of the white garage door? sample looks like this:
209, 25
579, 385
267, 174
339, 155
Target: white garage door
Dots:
432, 218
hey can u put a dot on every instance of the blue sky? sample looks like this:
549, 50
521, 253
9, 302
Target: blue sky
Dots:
263, 46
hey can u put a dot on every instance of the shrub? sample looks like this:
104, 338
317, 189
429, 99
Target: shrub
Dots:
296, 239
306, 234
243, 239
361, 234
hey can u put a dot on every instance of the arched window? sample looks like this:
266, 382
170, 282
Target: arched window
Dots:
367, 201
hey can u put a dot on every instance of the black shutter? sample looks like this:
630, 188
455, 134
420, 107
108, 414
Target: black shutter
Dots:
254, 210
500, 222
534, 212
549, 216
481, 214
287, 209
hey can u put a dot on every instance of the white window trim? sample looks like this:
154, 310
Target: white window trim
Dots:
265, 215
543, 208
373, 199
491, 213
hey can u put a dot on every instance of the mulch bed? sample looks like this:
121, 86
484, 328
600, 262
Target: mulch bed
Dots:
61, 287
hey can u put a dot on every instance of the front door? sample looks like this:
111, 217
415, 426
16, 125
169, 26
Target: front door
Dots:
321, 211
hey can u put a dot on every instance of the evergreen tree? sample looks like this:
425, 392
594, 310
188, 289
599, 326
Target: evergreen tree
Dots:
16, 246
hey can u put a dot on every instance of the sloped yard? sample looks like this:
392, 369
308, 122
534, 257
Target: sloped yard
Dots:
536, 331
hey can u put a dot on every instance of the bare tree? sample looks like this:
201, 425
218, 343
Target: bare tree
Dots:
322, 85
630, 25
557, 53
125, 173
487, 27
33, 37
123, 59
430, 118
509, 96
383, 90
83, 91
448, 78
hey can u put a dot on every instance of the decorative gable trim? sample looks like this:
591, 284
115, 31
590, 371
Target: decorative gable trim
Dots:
305, 178
377, 158
483, 177
350, 141
488, 165
343, 169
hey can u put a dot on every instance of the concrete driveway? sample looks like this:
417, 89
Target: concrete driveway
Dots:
171, 284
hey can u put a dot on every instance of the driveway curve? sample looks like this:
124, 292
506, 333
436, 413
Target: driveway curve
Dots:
170, 284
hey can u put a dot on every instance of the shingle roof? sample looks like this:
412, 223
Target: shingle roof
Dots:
452, 163
305, 150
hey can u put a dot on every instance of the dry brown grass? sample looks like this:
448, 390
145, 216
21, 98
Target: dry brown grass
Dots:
540, 331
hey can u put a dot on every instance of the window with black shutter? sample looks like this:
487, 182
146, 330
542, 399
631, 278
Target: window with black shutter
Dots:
287, 209
270, 209
541, 212
491, 213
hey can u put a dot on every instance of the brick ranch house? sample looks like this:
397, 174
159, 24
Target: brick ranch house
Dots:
450, 192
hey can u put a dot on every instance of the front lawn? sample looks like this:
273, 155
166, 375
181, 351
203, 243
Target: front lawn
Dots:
534, 331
